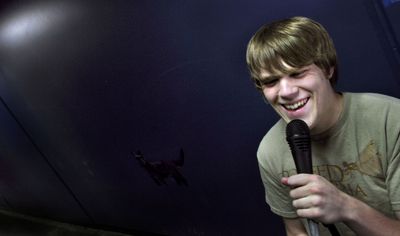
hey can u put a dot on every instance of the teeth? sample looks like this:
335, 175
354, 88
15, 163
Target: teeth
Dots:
296, 105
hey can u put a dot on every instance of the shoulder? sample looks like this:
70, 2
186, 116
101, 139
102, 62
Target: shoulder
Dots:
375, 115
372, 106
372, 99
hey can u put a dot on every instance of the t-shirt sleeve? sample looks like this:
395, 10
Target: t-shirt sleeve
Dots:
394, 184
393, 171
393, 177
276, 194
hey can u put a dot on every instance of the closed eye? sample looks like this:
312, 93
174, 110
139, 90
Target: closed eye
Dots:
270, 83
298, 74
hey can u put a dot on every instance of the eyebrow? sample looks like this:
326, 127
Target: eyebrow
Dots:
270, 77
300, 71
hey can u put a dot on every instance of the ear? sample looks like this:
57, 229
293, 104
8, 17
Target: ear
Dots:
330, 74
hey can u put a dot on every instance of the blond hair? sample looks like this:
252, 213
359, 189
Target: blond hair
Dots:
297, 42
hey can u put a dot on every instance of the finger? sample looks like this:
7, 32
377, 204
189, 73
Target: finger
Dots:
310, 213
300, 192
299, 180
284, 181
311, 188
307, 202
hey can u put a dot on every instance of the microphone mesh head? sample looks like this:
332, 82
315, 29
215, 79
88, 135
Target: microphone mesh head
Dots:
297, 127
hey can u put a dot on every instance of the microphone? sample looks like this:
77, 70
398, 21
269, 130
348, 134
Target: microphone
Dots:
299, 140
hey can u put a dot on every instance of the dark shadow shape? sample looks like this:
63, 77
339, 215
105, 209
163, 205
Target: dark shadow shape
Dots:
161, 170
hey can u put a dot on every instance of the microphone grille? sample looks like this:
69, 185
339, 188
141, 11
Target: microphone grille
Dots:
297, 127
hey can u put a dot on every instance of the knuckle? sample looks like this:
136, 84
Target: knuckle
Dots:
314, 178
314, 189
317, 201
316, 212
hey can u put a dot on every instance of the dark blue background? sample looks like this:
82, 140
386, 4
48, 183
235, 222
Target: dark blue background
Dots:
83, 85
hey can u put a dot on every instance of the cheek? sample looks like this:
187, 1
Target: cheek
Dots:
268, 95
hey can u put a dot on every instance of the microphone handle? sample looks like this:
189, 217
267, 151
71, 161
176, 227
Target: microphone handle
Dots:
313, 227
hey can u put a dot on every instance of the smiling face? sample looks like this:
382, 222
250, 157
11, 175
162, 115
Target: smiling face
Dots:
303, 93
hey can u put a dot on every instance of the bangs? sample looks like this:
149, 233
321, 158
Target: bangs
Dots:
278, 56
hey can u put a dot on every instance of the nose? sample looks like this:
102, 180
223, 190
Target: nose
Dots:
287, 89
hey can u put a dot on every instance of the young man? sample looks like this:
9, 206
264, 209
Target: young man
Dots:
355, 138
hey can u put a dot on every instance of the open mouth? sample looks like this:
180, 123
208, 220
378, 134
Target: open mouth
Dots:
296, 105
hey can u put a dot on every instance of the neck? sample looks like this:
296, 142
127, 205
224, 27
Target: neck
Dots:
336, 111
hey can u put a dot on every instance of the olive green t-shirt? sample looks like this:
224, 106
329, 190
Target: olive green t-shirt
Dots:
360, 155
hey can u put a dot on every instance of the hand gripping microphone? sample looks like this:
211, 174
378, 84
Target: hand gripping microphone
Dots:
299, 140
